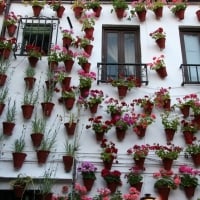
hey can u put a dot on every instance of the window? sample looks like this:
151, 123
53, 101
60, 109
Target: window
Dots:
41, 32
190, 45
120, 48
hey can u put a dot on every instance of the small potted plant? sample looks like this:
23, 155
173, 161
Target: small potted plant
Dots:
119, 6
124, 83
189, 181
99, 126
139, 153
53, 57
95, 6
78, 8
37, 6
168, 154
18, 154
112, 178
83, 61
193, 151
160, 36
9, 124
30, 79
179, 8
71, 124
20, 184
57, 6
88, 171
67, 37
157, 7
6, 45
171, 122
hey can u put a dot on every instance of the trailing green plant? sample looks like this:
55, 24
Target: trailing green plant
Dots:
21, 180
3, 94
19, 143
38, 125
11, 111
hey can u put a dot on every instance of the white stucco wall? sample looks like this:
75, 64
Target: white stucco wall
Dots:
89, 148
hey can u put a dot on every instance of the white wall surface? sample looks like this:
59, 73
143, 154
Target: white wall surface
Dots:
89, 148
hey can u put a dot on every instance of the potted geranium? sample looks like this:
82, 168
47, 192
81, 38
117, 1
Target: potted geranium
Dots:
166, 180
85, 44
67, 37
139, 153
109, 153
88, 170
134, 178
167, 153
157, 7
189, 128
133, 194
53, 57
85, 82
159, 66
189, 181
171, 122
119, 6
95, 6
6, 45
57, 6
193, 150
124, 83
140, 8
179, 8
160, 36
10, 22
141, 122
185, 103
83, 61
112, 178
162, 98
99, 126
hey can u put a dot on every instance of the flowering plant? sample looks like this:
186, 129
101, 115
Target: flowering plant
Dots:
111, 176
103, 194
143, 120
155, 4
158, 62
67, 54
166, 178
161, 96
186, 100
33, 51
138, 6
195, 105
139, 151
109, 151
192, 149
179, 5
67, 33
87, 170
134, 176
87, 21
128, 81
7, 43
123, 122
79, 192
114, 106
188, 177
54, 54
170, 120
83, 42
69, 93
157, 34
171, 151
143, 101
54, 4
11, 18
98, 125
82, 58
188, 125
132, 195
79, 3
86, 78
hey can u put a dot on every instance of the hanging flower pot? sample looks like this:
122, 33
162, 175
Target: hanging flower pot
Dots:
138, 186
161, 43
189, 191
148, 107
27, 111
169, 133
2, 8
97, 11
89, 33
163, 192
142, 15
180, 14
6, 53
99, 136
42, 156
93, 107
185, 110
84, 92
140, 131
65, 83
167, 163
69, 103
68, 162
70, 128
158, 12
196, 159
188, 136
86, 67
60, 11
3, 78
162, 72
36, 139
47, 108
88, 49
167, 104
122, 91
29, 81
68, 65
18, 159
139, 162
53, 65
33, 61
36, 10
8, 128
67, 42
120, 133
11, 29
19, 191
88, 183
108, 163
112, 186
78, 11
119, 12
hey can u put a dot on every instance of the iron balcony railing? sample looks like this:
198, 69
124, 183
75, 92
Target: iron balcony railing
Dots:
190, 73
112, 70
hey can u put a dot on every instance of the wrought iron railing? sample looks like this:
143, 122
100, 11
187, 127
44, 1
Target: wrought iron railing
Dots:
112, 70
190, 73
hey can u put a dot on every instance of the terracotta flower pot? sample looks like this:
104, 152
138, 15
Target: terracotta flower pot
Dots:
70, 128
180, 14
18, 160
88, 49
3, 78
169, 133
8, 128
163, 192
42, 156
68, 65
122, 91
162, 72
36, 10
78, 12
99, 136
167, 163
69, 103
161, 43
198, 14
158, 12
36, 139
89, 33
185, 110
139, 163
189, 191
142, 15
68, 162
196, 159
47, 108
29, 81
66, 42
112, 186
11, 29
88, 183
120, 133
93, 108
97, 11
33, 61
27, 111
119, 12
60, 11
